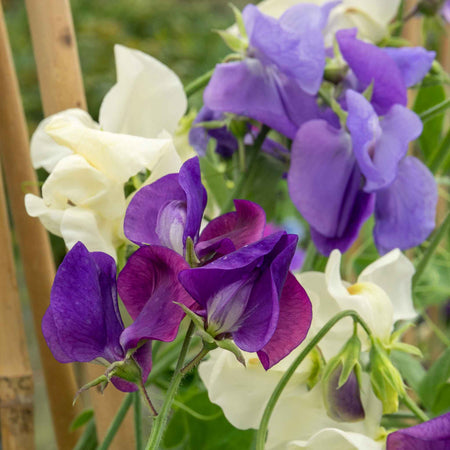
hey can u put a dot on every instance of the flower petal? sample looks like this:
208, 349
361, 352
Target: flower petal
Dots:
147, 98
148, 286
82, 320
405, 211
293, 324
393, 272
239, 228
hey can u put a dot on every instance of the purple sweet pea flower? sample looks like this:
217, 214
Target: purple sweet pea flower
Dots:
445, 11
249, 296
226, 143
391, 70
83, 322
281, 72
337, 179
169, 210
431, 435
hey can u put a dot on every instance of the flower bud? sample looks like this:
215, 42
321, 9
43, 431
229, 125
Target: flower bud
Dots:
341, 385
386, 380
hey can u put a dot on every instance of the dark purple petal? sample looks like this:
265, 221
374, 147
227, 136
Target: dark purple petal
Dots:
293, 324
141, 218
431, 435
379, 146
82, 322
239, 228
169, 210
322, 163
344, 403
414, 62
372, 64
191, 182
148, 286
405, 211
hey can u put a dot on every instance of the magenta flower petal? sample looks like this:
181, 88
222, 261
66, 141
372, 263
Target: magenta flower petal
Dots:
293, 324
431, 435
233, 230
148, 286
82, 322
405, 211
370, 64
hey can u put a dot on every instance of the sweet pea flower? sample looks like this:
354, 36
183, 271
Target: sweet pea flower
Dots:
282, 69
83, 198
249, 296
83, 322
431, 435
445, 11
337, 179
371, 18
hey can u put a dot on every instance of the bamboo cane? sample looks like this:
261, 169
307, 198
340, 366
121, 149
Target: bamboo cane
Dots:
33, 240
16, 378
61, 87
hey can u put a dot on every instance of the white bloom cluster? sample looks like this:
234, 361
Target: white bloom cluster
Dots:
382, 295
83, 198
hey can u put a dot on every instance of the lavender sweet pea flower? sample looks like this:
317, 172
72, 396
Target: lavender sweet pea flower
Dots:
250, 296
431, 435
337, 180
391, 70
169, 210
282, 70
445, 11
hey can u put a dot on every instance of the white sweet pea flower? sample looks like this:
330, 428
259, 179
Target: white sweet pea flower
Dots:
83, 198
371, 17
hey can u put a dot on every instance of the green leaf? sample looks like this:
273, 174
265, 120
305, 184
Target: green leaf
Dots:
82, 418
442, 403
428, 97
409, 367
436, 378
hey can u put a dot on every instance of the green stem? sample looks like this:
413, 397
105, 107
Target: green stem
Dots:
436, 110
196, 360
436, 239
137, 420
159, 423
117, 421
262, 432
88, 439
198, 83
409, 402
437, 331
438, 157
245, 175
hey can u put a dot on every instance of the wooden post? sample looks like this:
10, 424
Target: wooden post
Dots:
61, 87
16, 378
33, 240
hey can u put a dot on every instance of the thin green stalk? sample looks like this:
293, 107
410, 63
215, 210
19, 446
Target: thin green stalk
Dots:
195, 361
117, 421
438, 157
436, 239
244, 175
137, 420
198, 83
88, 439
159, 423
411, 405
262, 431
436, 110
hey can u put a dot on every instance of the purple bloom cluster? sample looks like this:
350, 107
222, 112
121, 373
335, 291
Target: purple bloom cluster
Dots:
340, 173
241, 286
